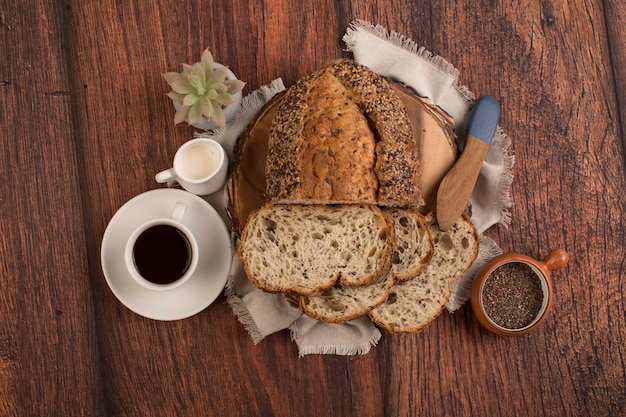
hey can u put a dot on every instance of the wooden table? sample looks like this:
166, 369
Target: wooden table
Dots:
85, 124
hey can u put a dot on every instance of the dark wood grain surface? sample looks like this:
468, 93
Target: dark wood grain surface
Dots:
85, 124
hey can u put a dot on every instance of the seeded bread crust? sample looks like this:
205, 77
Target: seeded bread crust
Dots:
415, 303
305, 249
342, 135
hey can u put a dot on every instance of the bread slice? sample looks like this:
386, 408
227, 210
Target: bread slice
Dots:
413, 304
412, 252
458, 246
339, 303
342, 135
306, 249
414, 244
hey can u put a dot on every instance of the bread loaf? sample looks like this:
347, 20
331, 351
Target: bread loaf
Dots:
342, 135
305, 249
412, 252
413, 304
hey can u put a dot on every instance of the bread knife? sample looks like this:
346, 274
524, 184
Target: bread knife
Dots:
456, 187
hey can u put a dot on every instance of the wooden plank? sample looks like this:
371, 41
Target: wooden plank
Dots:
48, 346
615, 13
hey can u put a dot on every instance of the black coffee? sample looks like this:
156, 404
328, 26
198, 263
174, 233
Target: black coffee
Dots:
162, 254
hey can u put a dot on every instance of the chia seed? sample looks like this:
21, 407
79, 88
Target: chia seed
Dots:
512, 295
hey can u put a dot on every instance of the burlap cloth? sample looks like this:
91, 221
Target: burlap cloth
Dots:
399, 58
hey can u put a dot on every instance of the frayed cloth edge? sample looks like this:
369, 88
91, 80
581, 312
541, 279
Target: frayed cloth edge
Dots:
503, 189
399, 40
340, 349
250, 106
245, 318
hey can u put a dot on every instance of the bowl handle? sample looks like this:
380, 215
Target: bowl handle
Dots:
557, 259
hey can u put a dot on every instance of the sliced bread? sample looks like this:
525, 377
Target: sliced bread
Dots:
413, 304
414, 244
306, 249
339, 303
413, 251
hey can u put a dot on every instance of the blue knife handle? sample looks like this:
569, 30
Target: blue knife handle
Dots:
484, 119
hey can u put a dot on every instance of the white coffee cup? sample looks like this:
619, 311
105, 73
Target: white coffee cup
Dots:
162, 254
200, 167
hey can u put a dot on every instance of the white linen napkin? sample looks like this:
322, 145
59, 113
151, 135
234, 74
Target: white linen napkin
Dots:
397, 57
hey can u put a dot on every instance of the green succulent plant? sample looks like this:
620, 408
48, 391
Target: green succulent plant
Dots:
202, 90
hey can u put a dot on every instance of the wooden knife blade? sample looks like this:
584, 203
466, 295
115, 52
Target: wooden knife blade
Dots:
456, 187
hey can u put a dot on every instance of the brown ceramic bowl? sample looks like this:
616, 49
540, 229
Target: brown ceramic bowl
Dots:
482, 302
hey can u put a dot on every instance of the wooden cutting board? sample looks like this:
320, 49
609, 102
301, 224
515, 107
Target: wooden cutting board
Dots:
432, 127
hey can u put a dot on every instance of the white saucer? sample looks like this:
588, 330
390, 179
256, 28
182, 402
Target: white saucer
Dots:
213, 268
